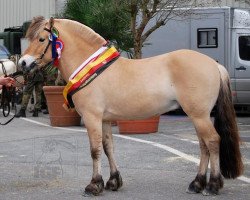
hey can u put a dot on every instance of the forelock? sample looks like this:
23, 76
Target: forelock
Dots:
35, 27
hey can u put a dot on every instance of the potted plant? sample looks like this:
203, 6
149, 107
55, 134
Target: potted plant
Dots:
54, 98
57, 114
149, 125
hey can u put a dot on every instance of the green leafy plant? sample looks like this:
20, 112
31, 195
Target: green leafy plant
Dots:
109, 18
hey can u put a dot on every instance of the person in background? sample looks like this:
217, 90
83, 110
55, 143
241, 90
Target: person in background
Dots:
35, 81
50, 76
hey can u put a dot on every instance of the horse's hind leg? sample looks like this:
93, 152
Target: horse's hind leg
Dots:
200, 181
210, 145
115, 180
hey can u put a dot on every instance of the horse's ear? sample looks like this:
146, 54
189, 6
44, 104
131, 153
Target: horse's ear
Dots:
51, 22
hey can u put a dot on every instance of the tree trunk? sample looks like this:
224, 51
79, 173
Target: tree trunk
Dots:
137, 47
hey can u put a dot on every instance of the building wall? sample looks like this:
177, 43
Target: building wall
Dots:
15, 12
60, 5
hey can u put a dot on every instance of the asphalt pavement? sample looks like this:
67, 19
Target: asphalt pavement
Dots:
41, 162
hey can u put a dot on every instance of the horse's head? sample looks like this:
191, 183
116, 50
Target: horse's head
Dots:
46, 45
39, 35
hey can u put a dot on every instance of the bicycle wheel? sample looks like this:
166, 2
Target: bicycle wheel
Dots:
6, 109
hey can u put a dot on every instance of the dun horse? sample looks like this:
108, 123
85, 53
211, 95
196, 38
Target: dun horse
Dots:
105, 87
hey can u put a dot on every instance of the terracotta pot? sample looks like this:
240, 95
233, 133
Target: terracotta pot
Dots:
139, 126
58, 115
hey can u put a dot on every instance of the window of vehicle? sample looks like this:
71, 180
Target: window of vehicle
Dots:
207, 38
4, 53
244, 47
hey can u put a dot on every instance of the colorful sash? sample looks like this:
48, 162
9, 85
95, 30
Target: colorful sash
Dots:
87, 72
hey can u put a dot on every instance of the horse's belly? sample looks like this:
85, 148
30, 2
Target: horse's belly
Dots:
140, 112
142, 104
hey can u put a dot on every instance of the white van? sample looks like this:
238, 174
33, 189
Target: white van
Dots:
221, 33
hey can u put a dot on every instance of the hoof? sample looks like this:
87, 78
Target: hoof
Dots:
212, 188
86, 194
207, 192
95, 187
114, 182
197, 185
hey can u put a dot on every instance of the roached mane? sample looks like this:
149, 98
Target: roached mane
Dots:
82, 31
39, 22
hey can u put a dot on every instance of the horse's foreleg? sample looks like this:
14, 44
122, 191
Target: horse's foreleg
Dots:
94, 128
115, 180
211, 142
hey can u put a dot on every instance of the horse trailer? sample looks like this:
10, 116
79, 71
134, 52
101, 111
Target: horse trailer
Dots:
221, 33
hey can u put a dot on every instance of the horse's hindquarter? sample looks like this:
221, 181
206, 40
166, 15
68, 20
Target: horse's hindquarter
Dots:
197, 80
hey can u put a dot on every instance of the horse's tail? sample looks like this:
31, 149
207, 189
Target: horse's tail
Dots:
225, 123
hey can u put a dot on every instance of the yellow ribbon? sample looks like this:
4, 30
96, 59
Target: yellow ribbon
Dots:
86, 69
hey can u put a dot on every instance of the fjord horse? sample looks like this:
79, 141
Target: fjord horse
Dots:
137, 89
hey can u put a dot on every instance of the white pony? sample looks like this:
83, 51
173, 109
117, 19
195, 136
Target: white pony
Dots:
7, 67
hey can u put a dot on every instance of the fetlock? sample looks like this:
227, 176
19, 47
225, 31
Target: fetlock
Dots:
21, 113
35, 113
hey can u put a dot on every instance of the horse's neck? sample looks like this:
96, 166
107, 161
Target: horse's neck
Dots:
76, 50
72, 57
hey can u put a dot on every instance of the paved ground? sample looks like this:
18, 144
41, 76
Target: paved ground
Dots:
40, 162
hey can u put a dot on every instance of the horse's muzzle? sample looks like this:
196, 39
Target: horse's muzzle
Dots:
26, 68
27, 63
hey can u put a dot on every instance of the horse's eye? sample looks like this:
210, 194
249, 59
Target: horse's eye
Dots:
41, 39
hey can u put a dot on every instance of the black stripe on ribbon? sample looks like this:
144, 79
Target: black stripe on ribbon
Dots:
89, 80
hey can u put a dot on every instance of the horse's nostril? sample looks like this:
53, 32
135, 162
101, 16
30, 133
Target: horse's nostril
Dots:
23, 63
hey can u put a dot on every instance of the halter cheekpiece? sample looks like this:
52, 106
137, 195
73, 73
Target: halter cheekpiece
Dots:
56, 44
